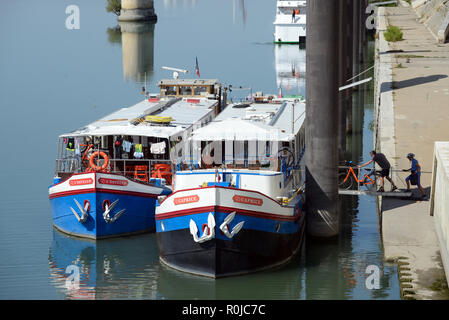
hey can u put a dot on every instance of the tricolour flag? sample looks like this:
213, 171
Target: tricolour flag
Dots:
197, 68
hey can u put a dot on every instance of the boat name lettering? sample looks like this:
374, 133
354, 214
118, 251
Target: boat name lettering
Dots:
81, 182
187, 199
247, 200
114, 182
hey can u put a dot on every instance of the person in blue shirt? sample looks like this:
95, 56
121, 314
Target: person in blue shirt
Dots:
415, 170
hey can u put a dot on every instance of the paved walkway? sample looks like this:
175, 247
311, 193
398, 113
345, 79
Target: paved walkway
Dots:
420, 90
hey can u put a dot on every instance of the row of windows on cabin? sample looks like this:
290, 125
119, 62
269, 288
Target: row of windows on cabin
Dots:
222, 151
186, 90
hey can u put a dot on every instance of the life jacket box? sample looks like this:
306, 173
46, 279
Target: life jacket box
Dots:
158, 182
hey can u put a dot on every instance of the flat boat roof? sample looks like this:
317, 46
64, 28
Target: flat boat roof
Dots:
120, 122
188, 82
255, 121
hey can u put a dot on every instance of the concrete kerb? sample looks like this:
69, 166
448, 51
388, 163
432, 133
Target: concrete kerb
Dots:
434, 14
439, 203
444, 30
384, 139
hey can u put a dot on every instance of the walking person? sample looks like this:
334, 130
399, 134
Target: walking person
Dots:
382, 161
415, 175
293, 15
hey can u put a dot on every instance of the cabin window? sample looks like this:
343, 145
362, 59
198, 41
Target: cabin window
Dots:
104, 142
198, 91
171, 91
211, 153
267, 149
239, 152
229, 151
185, 91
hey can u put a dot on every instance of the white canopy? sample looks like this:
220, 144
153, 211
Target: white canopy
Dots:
239, 130
127, 130
184, 113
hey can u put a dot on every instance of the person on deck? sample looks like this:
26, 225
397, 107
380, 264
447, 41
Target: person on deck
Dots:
415, 174
382, 161
293, 15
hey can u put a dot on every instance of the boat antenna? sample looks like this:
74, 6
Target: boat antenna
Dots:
175, 71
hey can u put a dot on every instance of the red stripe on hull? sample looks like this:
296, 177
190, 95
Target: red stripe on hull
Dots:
92, 190
228, 188
258, 214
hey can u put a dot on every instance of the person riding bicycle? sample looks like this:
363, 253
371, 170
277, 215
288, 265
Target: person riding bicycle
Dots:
415, 174
382, 161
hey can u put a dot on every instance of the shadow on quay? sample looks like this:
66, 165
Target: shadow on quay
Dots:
394, 85
405, 201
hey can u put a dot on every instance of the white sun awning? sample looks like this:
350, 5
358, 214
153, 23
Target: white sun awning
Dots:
239, 130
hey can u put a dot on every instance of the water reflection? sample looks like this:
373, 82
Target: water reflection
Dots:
137, 50
242, 9
282, 283
168, 4
122, 268
175, 3
137, 40
114, 35
290, 62
129, 268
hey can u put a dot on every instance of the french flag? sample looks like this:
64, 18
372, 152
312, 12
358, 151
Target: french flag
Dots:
197, 68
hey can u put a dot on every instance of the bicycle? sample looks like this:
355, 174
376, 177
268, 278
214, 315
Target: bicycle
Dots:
347, 180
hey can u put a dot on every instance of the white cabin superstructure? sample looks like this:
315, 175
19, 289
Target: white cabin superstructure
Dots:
143, 134
109, 173
289, 27
245, 139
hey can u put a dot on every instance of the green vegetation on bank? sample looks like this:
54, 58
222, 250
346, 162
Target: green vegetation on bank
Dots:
385, 5
393, 34
114, 6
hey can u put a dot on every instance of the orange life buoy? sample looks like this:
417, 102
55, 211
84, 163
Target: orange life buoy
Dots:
93, 165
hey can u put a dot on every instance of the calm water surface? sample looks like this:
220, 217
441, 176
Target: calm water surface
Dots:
54, 80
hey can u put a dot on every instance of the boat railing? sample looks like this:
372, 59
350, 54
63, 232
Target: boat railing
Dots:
142, 170
271, 163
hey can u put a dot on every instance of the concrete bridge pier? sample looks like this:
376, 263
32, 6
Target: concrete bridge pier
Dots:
356, 35
137, 10
322, 111
344, 71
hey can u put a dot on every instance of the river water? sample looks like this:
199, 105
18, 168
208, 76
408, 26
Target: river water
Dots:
54, 80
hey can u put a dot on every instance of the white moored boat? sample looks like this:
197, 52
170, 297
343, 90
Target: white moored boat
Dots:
289, 28
237, 201
109, 173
